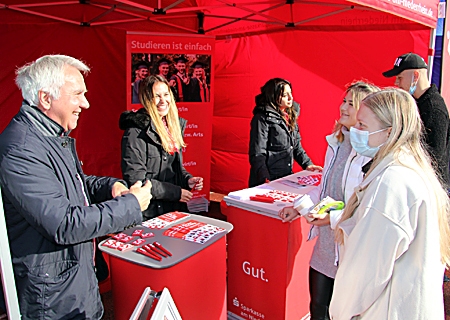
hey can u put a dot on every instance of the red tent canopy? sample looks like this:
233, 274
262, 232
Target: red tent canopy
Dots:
318, 45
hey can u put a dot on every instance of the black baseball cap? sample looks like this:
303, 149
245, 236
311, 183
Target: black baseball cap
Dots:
405, 62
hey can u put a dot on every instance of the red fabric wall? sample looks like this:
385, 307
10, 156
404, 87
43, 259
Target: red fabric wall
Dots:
318, 64
103, 49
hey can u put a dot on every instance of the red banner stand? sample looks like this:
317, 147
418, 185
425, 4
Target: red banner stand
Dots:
268, 263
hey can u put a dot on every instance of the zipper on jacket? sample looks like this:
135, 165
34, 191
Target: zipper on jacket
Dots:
324, 178
86, 203
346, 175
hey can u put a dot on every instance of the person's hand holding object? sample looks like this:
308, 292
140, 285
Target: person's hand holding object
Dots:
142, 193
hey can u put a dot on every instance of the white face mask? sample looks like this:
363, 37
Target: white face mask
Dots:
360, 142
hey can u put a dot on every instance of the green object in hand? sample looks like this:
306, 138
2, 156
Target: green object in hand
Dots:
335, 205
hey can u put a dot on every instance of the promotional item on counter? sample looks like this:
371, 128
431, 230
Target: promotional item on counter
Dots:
164, 220
311, 180
157, 244
275, 195
194, 231
148, 253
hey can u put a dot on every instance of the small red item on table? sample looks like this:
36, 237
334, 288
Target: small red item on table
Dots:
159, 246
148, 254
261, 198
157, 250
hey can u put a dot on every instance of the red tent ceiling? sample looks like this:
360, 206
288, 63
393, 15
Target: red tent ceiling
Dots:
222, 17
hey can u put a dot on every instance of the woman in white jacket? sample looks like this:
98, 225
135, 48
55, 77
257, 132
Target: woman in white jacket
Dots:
341, 174
394, 231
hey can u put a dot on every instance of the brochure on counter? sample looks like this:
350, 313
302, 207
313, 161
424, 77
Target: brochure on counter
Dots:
270, 197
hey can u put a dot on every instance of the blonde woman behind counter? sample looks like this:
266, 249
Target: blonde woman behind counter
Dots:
151, 149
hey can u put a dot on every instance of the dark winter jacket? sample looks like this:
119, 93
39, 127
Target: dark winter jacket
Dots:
50, 228
435, 118
143, 157
273, 147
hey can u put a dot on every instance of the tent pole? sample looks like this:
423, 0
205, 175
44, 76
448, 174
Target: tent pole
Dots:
431, 52
9, 285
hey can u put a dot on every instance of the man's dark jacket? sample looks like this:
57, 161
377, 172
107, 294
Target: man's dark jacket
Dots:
273, 147
50, 228
435, 118
144, 158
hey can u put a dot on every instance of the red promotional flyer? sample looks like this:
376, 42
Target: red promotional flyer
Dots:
186, 62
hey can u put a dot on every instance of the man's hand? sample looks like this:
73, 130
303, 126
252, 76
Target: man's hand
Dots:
119, 189
143, 193
313, 167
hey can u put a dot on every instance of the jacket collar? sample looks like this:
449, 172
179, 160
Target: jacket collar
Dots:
41, 122
405, 158
431, 90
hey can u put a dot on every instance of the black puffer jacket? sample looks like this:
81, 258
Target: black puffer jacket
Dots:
273, 147
143, 157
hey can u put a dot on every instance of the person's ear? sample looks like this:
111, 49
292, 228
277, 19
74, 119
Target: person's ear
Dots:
416, 76
44, 100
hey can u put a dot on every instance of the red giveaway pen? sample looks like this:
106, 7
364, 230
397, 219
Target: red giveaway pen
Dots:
159, 246
262, 199
157, 250
193, 188
148, 254
149, 250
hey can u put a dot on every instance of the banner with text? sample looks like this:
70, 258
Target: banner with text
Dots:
421, 11
187, 64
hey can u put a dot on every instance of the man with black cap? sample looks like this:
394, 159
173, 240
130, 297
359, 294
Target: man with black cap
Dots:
181, 82
410, 72
200, 87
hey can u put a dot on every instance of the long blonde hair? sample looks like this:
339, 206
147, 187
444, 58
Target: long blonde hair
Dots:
396, 108
173, 122
359, 90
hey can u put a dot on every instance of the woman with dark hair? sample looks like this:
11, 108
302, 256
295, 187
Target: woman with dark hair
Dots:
151, 148
274, 135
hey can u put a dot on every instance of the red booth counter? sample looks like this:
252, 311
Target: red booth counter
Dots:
195, 274
268, 260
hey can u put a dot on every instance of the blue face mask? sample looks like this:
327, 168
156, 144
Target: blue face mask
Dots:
360, 142
413, 86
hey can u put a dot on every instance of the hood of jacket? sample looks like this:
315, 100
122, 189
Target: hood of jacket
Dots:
268, 109
134, 119
265, 109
